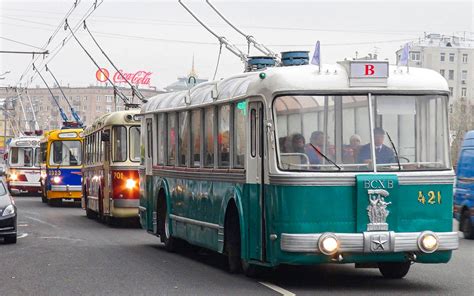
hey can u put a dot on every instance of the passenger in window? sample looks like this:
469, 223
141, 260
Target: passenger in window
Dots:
298, 143
315, 148
383, 153
351, 151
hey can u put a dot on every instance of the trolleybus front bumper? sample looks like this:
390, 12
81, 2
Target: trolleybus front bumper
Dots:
369, 242
17, 187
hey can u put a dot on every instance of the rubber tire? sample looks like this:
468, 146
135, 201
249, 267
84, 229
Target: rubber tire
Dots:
11, 239
163, 220
90, 214
251, 270
233, 246
466, 226
394, 270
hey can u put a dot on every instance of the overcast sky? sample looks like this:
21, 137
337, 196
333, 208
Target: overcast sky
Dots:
161, 37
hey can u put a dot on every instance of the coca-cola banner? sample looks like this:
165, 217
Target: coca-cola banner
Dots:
139, 77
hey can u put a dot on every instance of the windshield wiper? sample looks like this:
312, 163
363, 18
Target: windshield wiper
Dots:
325, 157
395, 150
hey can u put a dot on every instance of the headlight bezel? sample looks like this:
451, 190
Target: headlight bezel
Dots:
8, 211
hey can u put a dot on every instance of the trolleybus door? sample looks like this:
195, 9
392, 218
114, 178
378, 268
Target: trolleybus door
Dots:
257, 235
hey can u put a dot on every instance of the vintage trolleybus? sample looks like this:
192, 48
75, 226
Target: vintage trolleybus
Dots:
110, 173
297, 165
61, 163
22, 165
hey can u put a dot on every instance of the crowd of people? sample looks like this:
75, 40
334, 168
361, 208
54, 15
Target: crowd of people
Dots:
318, 148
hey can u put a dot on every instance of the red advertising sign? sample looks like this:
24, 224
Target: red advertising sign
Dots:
139, 77
102, 75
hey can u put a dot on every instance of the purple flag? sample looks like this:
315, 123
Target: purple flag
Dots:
316, 60
404, 56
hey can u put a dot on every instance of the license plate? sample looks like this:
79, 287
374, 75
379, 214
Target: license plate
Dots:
68, 199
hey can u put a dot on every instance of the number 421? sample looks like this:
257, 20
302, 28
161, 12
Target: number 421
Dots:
433, 197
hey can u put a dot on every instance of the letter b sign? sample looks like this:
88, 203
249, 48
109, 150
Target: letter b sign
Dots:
369, 70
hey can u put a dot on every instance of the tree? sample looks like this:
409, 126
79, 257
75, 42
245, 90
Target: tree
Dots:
461, 121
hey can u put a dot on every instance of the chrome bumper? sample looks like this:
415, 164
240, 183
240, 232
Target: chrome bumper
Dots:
66, 188
367, 242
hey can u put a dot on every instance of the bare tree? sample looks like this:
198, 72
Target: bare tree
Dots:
461, 121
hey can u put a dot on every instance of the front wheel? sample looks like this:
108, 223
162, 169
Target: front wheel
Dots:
164, 230
394, 270
466, 226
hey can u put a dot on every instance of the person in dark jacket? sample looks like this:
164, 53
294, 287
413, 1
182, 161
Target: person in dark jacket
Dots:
383, 153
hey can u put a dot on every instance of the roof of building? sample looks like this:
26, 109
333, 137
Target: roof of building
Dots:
439, 40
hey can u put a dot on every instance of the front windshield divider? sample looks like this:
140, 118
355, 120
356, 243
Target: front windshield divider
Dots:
372, 140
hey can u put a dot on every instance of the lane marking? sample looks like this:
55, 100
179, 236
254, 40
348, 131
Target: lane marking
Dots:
41, 221
22, 235
23, 225
60, 237
277, 289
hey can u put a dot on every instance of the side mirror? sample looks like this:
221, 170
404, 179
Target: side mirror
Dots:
105, 137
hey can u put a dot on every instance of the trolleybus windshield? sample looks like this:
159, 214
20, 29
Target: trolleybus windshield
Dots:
21, 156
332, 132
65, 153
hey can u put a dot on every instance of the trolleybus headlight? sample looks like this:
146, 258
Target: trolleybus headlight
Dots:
428, 242
130, 183
13, 177
328, 244
56, 179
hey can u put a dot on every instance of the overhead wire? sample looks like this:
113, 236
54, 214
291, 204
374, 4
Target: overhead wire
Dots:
19, 42
134, 90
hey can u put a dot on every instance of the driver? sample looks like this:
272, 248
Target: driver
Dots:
383, 153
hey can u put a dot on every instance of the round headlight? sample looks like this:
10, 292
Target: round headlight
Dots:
13, 176
328, 244
428, 242
130, 183
56, 179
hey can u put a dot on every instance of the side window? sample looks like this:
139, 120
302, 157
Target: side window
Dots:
14, 155
240, 116
466, 163
161, 138
119, 134
149, 137
253, 133
196, 138
183, 138
209, 126
172, 139
135, 143
224, 136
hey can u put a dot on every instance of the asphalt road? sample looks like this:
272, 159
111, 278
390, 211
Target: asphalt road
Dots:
61, 252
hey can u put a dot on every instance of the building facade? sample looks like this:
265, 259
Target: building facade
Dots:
88, 102
451, 56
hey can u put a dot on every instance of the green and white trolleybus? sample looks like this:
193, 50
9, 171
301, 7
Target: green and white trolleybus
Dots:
301, 165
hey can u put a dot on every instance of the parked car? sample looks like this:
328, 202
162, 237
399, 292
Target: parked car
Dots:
8, 215
464, 187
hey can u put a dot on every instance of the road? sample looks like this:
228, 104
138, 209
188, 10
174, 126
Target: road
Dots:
61, 252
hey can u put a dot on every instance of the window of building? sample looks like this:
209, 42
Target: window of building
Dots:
415, 55
451, 91
451, 57
84, 108
108, 109
183, 138
442, 57
451, 74
108, 99
463, 92
98, 98
223, 138
209, 120
196, 138
442, 72
464, 75
464, 58
240, 116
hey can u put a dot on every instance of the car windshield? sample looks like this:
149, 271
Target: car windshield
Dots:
332, 132
65, 153
3, 190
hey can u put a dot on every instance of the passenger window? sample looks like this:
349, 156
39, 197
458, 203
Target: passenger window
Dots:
183, 138
196, 138
161, 138
171, 139
224, 136
253, 132
209, 137
120, 143
240, 115
149, 136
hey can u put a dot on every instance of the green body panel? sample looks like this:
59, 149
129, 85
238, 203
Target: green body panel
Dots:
297, 209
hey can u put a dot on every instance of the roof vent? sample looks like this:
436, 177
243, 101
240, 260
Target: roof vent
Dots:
259, 62
294, 58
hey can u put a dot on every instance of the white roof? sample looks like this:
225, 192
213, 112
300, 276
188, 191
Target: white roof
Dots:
305, 78
25, 141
